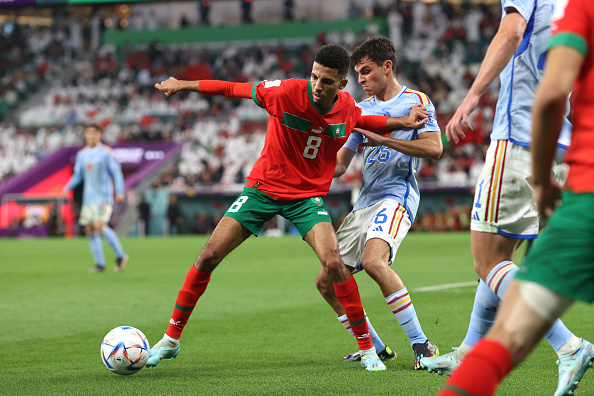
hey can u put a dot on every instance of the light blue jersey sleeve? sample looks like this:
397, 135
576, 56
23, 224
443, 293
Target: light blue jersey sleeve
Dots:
353, 141
77, 175
116, 171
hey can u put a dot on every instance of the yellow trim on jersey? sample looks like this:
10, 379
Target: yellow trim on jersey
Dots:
424, 98
367, 100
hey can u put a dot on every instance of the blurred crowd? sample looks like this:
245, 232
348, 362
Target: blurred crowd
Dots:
439, 51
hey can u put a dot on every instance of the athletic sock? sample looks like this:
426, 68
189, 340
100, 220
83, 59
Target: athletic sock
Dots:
480, 372
375, 338
114, 242
96, 246
501, 276
483, 314
349, 298
193, 287
499, 279
569, 347
404, 311
559, 335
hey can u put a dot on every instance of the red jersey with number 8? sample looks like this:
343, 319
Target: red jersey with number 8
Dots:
302, 140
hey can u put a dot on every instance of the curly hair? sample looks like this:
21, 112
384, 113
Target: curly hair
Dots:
335, 57
378, 49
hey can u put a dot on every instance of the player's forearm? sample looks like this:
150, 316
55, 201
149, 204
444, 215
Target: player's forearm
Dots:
383, 123
430, 148
506, 42
343, 160
564, 64
225, 88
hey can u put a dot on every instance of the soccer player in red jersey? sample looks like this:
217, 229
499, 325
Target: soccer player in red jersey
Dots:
309, 122
559, 269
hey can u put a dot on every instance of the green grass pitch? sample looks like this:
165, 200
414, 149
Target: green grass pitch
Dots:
261, 328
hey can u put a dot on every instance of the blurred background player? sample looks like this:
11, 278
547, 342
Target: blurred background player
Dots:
96, 165
504, 213
389, 196
309, 120
559, 269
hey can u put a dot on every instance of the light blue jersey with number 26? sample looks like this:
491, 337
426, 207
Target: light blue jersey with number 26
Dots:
388, 173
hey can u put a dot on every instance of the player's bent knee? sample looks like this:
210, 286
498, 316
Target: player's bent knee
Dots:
208, 259
482, 269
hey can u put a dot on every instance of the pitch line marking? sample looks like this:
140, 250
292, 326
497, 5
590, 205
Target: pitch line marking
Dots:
445, 286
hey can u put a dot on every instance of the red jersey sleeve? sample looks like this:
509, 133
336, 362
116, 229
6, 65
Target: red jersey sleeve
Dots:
225, 88
373, 123
572, 24
267, 94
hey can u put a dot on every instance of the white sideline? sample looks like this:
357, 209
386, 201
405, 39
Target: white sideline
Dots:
445, 286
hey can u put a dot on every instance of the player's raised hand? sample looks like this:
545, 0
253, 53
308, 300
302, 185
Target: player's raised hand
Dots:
120, 198
455, 128
418, 116
169, 86
373, 139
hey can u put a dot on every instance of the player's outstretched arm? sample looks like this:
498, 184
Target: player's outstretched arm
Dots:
417, 117
428, 145
505, 43
171, 86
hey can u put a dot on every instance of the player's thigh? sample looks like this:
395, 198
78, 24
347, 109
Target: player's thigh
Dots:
306, 213
389, 224
376, 230
227, 235
503, 201
252, 209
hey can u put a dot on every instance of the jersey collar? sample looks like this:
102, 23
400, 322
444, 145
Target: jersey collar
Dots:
318, 108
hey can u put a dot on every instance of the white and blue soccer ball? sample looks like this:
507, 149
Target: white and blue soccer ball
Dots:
125, 350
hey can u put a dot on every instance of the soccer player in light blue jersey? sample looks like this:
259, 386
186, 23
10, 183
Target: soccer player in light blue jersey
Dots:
389, 196
504, 213
96, 166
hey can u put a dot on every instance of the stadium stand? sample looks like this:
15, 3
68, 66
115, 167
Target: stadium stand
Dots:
440, 50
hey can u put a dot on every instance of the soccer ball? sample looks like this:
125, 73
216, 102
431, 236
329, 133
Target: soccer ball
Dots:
125, 350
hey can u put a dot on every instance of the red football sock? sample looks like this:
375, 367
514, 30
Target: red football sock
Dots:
348, 295
481, 371
194, 285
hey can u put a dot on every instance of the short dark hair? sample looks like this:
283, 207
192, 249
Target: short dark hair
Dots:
335, 57
94, 125
378, 49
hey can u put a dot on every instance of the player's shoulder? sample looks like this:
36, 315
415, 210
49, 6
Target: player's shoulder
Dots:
107, 149
416, 96
366, 102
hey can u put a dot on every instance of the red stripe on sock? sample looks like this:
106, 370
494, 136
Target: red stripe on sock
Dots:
481, 370
397, 298
403, 308
193, 287
348, 295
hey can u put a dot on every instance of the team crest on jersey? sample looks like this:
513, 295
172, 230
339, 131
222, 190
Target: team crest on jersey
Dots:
317, 200
90, 166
